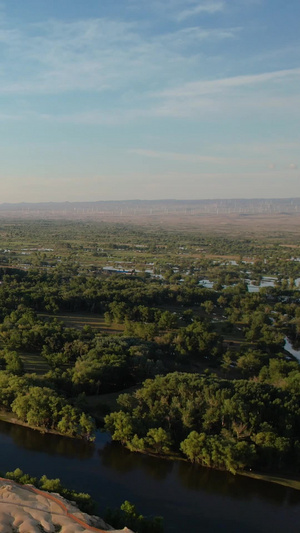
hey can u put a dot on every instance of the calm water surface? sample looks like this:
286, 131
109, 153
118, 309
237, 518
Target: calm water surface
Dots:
191, 499
290, 348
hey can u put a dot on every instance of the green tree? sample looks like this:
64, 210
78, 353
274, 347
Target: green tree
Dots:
159, 440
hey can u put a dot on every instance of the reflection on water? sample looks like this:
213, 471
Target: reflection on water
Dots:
191, 476
51, 444
114, 456
226, 484
190, 498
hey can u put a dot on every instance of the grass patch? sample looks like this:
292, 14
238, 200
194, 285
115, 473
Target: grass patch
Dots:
79, 320
100, 405
34, 364
7, 416
278, 479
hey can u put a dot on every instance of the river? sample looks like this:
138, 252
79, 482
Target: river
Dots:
190, 498
289, 348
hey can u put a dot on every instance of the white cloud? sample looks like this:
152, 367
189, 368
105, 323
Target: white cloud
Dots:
199, 159
55, 56
234, 94
180, 10
177, 156
132, 67
190, 36
97, 54
213, 86
203, 7
260, 148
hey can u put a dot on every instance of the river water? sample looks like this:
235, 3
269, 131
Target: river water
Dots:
190, 498
289, 348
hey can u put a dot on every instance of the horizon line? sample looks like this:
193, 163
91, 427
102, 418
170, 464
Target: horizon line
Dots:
149, 200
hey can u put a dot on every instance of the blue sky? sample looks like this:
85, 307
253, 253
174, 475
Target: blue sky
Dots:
124, 99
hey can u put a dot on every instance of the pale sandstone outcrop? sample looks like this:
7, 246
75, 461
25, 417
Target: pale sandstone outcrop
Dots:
24, 509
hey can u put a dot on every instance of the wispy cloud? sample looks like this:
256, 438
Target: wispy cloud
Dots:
202, 7
180, 10
198, 159
266, 148
207, 87
95, 117
202, 90
135, 74
237, 159
97, 54
208, 106
177, 156
56, 56
187, 37
238, 93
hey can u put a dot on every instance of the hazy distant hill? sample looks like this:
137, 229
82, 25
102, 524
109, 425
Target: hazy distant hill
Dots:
151, 207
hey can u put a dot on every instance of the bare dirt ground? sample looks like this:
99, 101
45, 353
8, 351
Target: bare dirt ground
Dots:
234, 224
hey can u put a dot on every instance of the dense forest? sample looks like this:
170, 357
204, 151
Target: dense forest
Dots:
188, 330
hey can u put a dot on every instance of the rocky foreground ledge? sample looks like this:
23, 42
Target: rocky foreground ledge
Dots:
25, 509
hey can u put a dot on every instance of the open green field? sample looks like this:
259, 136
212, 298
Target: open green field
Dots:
34, 364
278, 479
101, 405
79, 320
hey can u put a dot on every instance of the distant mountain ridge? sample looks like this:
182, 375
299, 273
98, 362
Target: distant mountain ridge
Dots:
243, 206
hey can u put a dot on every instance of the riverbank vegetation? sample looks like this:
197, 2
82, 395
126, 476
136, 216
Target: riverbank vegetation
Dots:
126, 516
83, 500
194, 325
214, 422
